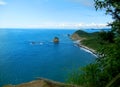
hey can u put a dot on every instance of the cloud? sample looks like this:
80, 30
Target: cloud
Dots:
62, 25
70, 25
2, 3
88, 3
91, 25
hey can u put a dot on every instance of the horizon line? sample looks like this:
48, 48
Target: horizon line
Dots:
57, 28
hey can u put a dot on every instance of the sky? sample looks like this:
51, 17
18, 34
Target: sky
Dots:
72, 14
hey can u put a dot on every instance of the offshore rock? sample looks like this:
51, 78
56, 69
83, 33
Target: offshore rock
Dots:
56, 40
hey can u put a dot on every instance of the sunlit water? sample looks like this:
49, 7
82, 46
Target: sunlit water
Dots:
21, 61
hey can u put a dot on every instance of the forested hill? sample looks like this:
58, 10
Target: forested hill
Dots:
105, 71
90, 40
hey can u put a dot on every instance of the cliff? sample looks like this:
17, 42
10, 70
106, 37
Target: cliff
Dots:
75, 36
79, 35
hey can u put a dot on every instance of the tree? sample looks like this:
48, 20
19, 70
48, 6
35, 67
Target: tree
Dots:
110, 62
106, 37
111, 7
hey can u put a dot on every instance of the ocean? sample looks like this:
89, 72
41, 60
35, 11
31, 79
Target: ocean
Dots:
21, 61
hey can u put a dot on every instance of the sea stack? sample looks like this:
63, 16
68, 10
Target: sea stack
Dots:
56, 40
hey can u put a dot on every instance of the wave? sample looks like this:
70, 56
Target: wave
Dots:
36, 43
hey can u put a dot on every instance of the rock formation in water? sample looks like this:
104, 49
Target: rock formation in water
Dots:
78, 35
56, 40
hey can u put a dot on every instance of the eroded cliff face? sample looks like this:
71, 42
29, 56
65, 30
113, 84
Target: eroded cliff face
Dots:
79, 35
42, 83
75, 36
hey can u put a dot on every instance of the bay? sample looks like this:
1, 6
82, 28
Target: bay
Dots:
21, 61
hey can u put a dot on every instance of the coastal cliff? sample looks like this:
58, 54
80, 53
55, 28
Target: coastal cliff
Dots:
78, 35
42, 83
75, 36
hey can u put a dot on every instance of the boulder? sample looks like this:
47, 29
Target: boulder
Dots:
56, 40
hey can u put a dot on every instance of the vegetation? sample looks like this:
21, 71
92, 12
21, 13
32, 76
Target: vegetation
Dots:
91, 39
105, 71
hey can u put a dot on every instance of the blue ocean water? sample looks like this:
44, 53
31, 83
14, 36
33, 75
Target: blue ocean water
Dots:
21, 61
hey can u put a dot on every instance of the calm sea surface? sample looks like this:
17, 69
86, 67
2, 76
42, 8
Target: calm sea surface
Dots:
21, 61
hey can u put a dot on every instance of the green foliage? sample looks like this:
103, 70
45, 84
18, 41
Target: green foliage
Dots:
115, 80
91, 39
86, 76
106, 37
76, 77
110, 61
107, 65
116, 27
82, 33
112, 7
91, 43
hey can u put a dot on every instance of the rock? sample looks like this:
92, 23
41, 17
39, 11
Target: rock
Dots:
56, 40
75, 37
32, 42
68, 35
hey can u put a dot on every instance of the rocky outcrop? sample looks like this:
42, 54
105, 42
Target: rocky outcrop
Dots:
79, 35
75, 37
56, 40
42, 83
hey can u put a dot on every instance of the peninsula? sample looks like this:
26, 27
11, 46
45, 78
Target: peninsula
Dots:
88, 41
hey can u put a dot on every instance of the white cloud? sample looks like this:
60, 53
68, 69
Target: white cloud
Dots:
91, 25
84, 2
70, 25
2, 2
96, 25
55, 25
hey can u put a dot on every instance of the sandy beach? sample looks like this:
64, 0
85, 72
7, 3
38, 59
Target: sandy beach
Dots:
87, 49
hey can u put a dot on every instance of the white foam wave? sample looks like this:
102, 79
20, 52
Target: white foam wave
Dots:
86, 50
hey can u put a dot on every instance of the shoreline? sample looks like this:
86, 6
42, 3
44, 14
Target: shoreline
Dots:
85, 48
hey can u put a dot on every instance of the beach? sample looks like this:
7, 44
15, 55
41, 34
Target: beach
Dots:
85, 48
